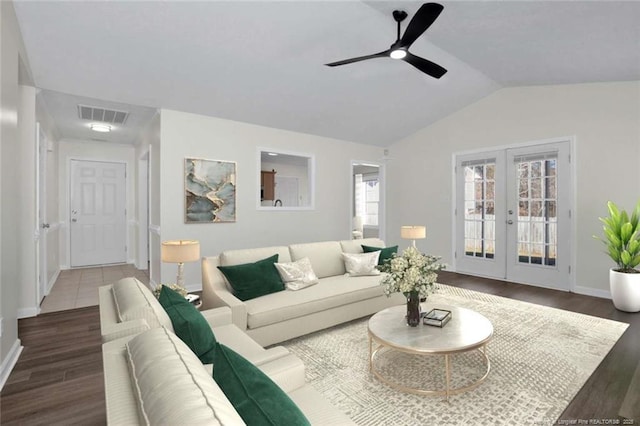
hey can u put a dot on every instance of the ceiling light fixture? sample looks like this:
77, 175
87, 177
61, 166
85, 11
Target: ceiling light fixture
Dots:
398, 53
100, 128
273, 154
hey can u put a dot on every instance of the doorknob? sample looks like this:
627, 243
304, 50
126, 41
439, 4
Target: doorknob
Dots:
45, 226
510, 222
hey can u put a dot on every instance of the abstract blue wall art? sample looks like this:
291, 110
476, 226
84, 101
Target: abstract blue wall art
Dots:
210, 191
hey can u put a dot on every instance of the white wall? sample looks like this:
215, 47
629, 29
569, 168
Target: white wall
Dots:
11, 52
189, 135
603, 117
94, 151
47, 126
155, 196
26, 202
149, 149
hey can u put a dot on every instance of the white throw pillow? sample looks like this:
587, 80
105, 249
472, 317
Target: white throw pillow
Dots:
297, 275
358, 264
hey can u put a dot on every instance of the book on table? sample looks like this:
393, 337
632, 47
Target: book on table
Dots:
437, 317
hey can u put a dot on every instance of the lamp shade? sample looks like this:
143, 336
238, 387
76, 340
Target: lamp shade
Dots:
413, 232
180, 251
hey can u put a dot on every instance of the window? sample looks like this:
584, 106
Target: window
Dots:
367, 197
479, 205
537, 199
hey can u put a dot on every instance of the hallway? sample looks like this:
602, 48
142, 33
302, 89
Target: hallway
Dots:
77, 288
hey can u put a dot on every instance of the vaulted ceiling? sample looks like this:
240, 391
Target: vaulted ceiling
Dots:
262, 62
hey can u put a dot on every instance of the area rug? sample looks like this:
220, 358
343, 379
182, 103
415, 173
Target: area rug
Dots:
540, 358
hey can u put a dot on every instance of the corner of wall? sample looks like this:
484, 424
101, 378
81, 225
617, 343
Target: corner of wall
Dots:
10, 361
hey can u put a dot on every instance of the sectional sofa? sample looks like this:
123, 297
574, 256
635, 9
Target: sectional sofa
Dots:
286, 314
152, 377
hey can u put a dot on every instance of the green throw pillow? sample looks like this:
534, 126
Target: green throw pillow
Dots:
256, 398
251, 280
385, 252
189, 324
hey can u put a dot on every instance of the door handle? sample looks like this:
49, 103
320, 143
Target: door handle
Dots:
74, 220
45, 226
510, 222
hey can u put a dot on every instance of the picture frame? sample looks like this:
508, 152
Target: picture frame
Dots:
210, 191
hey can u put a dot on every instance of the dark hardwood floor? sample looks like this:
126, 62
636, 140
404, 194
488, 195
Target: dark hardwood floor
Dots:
58, 378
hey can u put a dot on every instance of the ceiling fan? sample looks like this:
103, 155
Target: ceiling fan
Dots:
424, 17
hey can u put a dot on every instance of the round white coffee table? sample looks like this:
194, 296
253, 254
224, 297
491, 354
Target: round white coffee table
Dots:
466, 331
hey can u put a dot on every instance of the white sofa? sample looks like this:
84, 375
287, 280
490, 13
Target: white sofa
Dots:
286, 314
152, 377
128, 307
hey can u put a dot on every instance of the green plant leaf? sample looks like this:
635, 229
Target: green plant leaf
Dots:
614, 253
624, 218
635, 261
626, 230
612, 238
635, 216
625, 258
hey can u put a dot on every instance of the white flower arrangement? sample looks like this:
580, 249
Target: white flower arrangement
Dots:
175, 287
413, 271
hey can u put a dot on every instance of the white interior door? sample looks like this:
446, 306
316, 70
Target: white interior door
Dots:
42, 225
98, 215
513, 210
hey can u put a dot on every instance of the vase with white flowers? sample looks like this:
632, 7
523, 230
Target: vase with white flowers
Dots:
414, 274
175, 287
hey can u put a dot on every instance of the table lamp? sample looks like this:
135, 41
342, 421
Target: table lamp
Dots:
413, 233
180, 251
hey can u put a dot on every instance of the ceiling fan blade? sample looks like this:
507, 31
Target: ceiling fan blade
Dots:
427, 67
359, 58
424, 17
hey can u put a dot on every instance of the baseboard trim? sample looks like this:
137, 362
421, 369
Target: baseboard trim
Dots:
595, 292
586, 291
28, 312
52, 281
10, 362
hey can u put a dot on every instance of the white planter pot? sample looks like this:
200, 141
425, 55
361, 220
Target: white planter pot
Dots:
625, 291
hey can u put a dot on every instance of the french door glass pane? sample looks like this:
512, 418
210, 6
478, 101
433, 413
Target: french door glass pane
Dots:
479, 214
537, 220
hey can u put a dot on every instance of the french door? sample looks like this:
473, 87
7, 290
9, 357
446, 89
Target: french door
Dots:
513, 214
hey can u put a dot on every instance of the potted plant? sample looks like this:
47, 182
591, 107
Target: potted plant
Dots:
622, 238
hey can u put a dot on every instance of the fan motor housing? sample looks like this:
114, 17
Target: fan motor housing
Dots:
399, 15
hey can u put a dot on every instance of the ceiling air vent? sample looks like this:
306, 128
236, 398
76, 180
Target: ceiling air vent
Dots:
104, 115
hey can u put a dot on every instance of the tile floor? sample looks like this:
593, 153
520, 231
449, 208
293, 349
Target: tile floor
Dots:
77, 288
